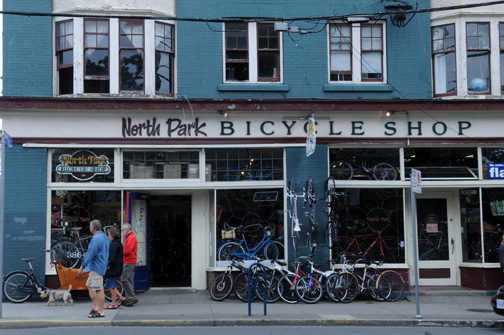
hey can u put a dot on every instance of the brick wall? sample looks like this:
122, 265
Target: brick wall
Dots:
25, 208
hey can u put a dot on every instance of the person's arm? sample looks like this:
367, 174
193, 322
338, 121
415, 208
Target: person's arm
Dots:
91, 252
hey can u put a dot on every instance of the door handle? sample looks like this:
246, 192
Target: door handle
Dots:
453, 245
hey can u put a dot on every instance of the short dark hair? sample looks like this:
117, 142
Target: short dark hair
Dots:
114, 232
96, 224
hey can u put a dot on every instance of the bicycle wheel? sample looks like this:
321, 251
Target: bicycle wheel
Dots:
309, 289
241, 290
330, 287
108, 294
295, 240
384, 171
341, 170
221, 287
12, 282
230, 249
292, 190
372, 287
331, 233
310, 192
68, 253
390, 285
270, 251
286, 289
281, 249
347, 287
272, 294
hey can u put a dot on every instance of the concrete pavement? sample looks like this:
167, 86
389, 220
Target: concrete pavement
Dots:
185, 307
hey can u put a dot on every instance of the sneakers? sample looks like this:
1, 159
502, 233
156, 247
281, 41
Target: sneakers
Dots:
130, 303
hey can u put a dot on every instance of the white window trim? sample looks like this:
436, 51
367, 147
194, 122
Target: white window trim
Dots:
78, 68
252, 52
356, 56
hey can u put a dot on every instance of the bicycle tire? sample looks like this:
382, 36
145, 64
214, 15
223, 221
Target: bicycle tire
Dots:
292, 190
330, 287
286, 290
68, 253
230, 249
221, 287
12, 282
384, 171
310, 243
341, 170
390, 285
108, 294
272, 294
270, 251
331, 233
310, 192
281, 249
348, 287
309, 289
371, 285
241, 290
295, 241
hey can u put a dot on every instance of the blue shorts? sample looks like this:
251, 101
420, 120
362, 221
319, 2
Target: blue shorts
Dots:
111, 282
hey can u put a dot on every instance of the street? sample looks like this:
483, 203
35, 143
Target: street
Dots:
263, 330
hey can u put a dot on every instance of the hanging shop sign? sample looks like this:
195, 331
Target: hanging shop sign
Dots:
83, 165
311, 138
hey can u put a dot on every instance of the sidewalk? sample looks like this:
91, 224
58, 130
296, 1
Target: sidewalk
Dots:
184, 307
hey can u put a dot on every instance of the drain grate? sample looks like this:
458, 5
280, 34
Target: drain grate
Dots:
480, 310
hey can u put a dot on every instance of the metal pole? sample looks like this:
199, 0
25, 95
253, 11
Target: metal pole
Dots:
2, 215
415, 252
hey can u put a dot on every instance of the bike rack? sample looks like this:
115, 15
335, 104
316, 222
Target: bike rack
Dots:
256, 283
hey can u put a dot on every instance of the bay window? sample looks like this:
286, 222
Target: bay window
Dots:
443, 54
478, 57
164, 57
96, 56
131, 53
64, 56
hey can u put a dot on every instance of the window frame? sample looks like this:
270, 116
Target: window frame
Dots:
67, 67
372, 50
85, 48
501, 54
171, 54
260, 50
340, 38
488, 49
121, 48
445, 52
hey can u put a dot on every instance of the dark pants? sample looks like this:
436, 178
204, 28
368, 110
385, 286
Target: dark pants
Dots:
128, 281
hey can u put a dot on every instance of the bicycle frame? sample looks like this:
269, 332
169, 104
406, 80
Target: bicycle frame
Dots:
250, 253
384, 249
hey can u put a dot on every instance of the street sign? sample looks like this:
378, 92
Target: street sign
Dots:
311, 139
416, 181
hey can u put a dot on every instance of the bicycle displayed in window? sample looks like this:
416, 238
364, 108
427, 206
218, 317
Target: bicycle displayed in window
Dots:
348, 169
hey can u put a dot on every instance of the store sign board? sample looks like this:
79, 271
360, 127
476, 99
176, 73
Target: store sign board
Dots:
495, 170
311, 139
416, 181
83, 165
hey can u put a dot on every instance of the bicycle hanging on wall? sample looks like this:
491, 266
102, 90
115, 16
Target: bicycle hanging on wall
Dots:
311, 201
295, 225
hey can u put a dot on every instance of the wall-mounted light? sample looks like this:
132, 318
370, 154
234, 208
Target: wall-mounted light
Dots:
356, 19
389, 113
223, 113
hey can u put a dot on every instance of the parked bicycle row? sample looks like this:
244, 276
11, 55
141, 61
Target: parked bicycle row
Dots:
351, 275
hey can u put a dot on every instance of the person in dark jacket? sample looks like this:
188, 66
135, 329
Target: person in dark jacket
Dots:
115, 266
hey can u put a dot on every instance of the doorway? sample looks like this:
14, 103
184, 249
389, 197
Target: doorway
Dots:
435, 239
170, 240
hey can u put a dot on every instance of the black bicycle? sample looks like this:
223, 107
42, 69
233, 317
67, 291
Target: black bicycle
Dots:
311, 201
333, 223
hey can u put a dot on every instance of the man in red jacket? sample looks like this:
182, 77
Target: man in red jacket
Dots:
130, 260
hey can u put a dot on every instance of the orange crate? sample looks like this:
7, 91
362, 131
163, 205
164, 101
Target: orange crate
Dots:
69, 276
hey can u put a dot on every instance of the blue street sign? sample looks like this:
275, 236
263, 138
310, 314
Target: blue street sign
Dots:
8, 140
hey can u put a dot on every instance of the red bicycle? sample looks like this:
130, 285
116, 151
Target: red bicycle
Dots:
372, 244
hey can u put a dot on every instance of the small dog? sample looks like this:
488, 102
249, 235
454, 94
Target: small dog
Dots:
55, 295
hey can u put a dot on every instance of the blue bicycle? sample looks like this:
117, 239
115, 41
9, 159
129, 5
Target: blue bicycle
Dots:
239, 247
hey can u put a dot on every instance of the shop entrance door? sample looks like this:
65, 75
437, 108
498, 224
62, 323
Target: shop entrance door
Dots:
435, 237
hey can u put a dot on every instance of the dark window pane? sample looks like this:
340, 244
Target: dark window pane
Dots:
96, 86
66, 80
268, 64
97, 62
132, 76
65, 57
163, 72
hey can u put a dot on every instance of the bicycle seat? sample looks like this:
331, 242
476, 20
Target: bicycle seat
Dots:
27, 259
76, 228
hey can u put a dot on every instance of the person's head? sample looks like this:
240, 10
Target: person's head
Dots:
95, 226
113, 233
126, 228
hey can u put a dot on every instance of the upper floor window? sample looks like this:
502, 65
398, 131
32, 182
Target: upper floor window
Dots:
164, 57
131, 53
96, 54
64, 56
253, 52
443, 59
478, 57
114, 57
501, 47
356, 52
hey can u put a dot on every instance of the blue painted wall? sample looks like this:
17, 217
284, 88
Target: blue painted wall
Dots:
301, 167
27, 49
25, 208
200, 51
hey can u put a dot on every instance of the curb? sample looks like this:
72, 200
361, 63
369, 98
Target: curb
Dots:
16, 324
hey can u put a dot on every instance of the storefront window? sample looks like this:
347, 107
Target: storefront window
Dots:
442, 163
160, 164
493, 221
493, 163
71, 212
359, 164
81, 165
470, 220
370, 218
259, 212
245, 164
